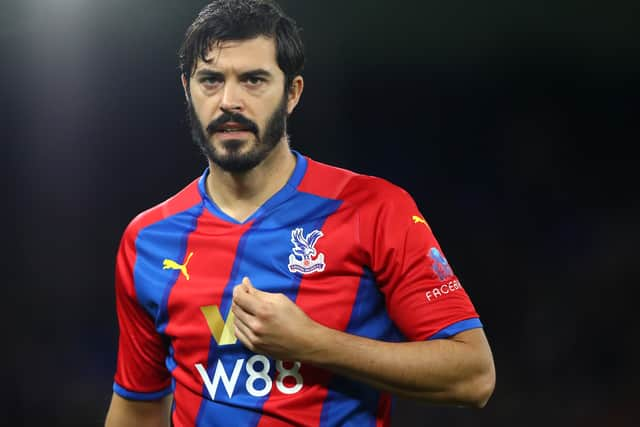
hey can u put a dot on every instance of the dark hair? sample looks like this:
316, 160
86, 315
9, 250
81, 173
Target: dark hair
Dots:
224, 20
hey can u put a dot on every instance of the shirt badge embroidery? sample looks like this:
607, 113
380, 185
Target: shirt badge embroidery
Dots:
440, 264
305, 259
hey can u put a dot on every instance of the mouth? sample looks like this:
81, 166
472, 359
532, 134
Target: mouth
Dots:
233, 128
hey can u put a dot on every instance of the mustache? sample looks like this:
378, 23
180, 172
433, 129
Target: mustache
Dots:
230, 116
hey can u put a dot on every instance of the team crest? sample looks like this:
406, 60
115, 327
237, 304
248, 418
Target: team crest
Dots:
305, 259
440, 265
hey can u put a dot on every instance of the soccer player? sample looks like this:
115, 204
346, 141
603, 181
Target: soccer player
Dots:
275, 290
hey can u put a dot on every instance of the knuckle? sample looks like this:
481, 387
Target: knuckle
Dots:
265, 311
258, 329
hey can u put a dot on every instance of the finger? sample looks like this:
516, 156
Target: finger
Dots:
243, 286
244, 334
243, 338
242, 315
237, 290
247, 301
249, 297
249, 288
243, 326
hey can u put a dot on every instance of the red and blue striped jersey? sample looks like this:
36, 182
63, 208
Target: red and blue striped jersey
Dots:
352, 251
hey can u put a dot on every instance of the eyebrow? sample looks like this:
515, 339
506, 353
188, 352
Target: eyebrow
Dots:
208, 73
258, 72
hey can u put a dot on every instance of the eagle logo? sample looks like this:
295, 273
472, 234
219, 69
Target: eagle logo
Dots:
305, 258
440, 264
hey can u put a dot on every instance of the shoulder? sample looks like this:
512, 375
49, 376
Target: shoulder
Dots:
182, 201
343, 184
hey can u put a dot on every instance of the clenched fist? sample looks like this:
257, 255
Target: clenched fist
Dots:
271, 324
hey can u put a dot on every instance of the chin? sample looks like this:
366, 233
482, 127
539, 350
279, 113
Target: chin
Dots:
232, 146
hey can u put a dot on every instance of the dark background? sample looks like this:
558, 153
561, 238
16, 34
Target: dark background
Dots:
510, 123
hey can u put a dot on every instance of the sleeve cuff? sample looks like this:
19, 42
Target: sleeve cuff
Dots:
456, 328
132, 395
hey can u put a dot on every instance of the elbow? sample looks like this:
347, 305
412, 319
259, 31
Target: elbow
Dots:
474, 390
480, 389
484, 391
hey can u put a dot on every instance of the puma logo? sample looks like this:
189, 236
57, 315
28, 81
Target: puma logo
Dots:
417, 220
169, 264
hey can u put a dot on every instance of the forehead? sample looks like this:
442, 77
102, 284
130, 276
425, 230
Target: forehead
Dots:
241, 55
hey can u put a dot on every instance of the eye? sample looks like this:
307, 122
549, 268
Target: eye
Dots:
254, 81
210, 82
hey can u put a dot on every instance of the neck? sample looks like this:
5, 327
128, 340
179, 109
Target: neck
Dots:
239, 195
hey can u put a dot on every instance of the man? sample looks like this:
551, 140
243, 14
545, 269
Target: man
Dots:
275, 290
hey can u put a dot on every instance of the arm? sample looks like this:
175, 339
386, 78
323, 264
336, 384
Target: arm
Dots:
458, 370
142, 383
131, 413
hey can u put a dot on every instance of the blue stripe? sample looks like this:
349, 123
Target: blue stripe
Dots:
351, 403
289, 189
263, 256
121, 391
457, 327
171, 361
166, 239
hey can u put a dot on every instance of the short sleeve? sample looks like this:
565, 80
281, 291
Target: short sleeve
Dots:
141, 373
423, 295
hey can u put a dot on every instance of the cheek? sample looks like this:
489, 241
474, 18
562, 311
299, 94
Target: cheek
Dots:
204, 106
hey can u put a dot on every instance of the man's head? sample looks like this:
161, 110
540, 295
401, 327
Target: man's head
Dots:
241, 62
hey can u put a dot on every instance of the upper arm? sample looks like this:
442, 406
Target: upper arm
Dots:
131, 413
424, 297
141, 373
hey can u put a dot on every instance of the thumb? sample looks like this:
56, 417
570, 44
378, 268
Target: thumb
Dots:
250, 289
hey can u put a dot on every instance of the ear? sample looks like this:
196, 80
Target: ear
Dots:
294, 93
185, 86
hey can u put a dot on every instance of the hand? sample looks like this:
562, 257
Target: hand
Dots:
271, 324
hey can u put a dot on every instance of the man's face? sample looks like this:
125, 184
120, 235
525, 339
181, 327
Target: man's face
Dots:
237, 104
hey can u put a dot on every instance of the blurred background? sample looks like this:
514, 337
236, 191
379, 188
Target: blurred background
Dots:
510, 123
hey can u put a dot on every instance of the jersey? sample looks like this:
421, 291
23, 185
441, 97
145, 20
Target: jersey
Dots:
352, 251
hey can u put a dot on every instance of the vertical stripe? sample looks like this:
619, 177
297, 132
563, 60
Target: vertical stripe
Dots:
213, 245
219, 409
166, 239
327, 297
369, 319
263, 256
383, 415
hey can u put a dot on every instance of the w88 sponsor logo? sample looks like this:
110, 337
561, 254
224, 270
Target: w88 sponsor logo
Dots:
258, 383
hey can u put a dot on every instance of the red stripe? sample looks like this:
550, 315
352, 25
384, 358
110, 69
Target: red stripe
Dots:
182, 201
129, 366
209, 269
324, 180
317, 296
183, 414
383, 414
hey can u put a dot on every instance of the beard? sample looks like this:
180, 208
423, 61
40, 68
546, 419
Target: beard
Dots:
233, 159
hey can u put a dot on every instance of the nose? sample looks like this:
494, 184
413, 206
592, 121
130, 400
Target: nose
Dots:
231, 98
